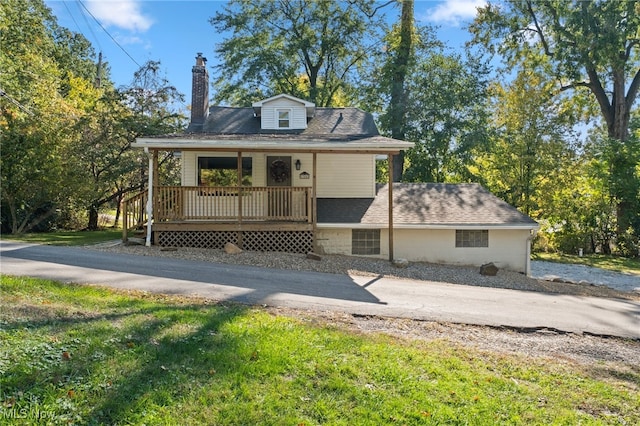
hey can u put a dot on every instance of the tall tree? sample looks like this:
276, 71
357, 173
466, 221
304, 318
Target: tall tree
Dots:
400, 64
586, 45
36, 76
276, 42
445, 114
112, 169
531, 147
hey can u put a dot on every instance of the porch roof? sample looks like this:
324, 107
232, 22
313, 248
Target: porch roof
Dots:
273, 142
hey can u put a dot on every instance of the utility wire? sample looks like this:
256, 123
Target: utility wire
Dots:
4, 94
86, 21
107, 32
84, 13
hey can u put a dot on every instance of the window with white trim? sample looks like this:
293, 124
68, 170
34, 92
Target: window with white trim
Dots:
284, 118
365, 241
472, 238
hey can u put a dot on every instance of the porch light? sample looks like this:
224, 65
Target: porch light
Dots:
298, 164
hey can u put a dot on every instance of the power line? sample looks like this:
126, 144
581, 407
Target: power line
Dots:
4, 94
86, 21
107, 32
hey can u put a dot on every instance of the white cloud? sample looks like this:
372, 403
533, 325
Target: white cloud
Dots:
454, 12
125, 14
125, 40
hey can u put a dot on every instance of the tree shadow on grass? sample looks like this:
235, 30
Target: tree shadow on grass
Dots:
105, 368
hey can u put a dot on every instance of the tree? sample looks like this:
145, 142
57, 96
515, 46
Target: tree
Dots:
587, 45
35, 112
403, 55
531, 144
276, 42
445, 118
111, 168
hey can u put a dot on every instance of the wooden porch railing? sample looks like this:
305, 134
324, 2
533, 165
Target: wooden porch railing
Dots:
134, 211
237, 204
222, 204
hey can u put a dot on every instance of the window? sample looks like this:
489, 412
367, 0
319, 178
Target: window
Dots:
283, 119
223, 171
472, 238
365, 241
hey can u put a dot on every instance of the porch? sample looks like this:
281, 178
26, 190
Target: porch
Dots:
254, 218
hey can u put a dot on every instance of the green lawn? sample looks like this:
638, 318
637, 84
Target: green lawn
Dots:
612, 263
68, 238
88, 356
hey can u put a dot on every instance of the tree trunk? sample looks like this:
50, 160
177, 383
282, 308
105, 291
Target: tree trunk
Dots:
118, 208
398, 94
93, 218
619, 130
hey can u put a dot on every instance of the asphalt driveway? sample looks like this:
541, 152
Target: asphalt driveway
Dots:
424, 300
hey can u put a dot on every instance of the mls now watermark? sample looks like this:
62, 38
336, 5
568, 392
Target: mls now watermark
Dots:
28, 413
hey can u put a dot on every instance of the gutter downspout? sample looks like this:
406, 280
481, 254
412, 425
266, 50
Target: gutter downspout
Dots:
149, 198
530, 238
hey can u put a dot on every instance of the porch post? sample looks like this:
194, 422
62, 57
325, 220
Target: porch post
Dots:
314, 203
390, 183
156, 183
239, 183
150, 195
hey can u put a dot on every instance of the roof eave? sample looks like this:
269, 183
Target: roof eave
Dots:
177, 144
447, 226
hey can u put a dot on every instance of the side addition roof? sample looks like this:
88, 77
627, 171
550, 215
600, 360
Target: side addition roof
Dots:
420, 205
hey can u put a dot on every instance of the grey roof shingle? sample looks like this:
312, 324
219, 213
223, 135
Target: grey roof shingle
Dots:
427, 204
348, 122
342, 210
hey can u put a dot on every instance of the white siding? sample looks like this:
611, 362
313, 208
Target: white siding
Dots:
507, 248
269, 114
306, 165
189, 168
346, 175
339, 175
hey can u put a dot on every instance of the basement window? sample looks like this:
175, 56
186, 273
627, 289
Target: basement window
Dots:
365, 241
223, 171
472, 238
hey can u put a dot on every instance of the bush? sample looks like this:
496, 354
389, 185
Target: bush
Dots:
628, 245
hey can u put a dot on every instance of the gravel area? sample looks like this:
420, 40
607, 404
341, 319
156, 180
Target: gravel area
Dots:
354, 265
619, 357
551, 271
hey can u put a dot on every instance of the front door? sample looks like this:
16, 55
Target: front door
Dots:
279, 175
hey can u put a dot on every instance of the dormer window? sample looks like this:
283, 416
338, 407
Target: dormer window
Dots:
284, 112
284, 118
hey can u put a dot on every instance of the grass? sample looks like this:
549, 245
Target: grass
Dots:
86, 355
608, 262
68, 238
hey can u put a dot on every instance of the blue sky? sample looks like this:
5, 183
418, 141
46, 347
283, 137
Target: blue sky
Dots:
173, 31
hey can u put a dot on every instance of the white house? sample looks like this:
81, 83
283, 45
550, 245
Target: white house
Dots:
285, 175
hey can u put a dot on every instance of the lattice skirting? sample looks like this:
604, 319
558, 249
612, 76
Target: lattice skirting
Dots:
283, 241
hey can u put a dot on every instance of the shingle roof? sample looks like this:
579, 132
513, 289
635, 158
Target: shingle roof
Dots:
342, 210
426, 204
349, 122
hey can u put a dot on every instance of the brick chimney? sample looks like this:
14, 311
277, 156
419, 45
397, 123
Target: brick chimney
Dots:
199, 94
